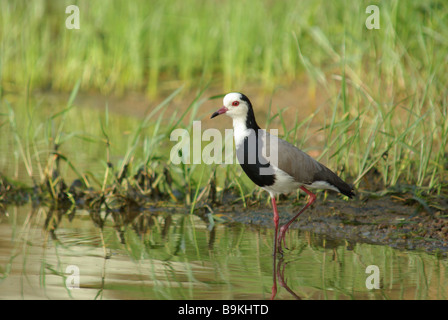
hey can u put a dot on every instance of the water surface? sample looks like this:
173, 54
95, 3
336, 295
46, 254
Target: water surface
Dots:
157, 254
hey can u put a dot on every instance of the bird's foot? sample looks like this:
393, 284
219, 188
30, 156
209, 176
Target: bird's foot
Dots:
281, 243
281, 238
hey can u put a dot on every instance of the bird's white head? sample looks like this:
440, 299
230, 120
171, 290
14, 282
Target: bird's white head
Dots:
236, 105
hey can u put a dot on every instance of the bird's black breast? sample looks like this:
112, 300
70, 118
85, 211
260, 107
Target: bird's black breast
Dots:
254, 164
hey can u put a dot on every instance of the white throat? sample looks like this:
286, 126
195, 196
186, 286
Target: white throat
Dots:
240, 131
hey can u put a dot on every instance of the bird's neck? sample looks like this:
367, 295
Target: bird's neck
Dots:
242, 128
248, 122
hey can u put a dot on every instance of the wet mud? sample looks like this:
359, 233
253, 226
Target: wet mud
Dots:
396, 221
400, 217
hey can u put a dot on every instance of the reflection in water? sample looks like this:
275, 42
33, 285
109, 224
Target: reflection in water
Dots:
280, 264
279, 274
157, 254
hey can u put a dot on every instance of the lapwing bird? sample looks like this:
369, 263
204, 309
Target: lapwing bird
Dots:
274, 164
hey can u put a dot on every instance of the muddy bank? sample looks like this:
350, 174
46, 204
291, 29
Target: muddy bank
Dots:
389, 220
406, 219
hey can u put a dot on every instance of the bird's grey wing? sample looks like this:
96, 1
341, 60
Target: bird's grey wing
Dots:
292, 160
301, 166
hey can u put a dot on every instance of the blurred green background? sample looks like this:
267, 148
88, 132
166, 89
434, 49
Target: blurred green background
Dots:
141, 44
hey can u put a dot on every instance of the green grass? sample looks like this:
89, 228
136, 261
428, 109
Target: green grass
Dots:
386, 115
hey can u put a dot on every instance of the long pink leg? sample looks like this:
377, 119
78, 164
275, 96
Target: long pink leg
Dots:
283, 229
276, 218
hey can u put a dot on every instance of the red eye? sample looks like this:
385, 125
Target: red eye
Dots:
235, 103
